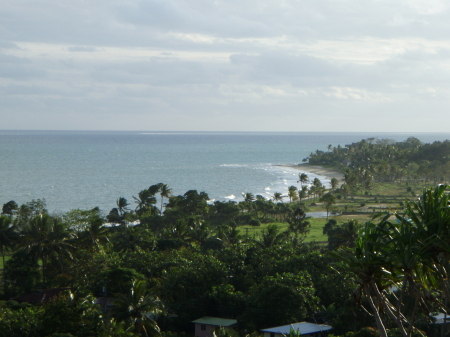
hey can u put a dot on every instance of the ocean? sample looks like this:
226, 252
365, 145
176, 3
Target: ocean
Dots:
85, 169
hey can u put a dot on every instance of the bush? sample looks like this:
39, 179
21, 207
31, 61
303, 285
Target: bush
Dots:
367, 332
254, 222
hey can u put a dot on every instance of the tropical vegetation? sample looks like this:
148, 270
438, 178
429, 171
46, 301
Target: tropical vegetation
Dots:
155, 263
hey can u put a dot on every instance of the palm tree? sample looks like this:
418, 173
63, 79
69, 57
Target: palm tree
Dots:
122, 206
144, 201
164, 192
277, 196
129, 239
94, 234
328, 200
271, 236
303, 193
292, 193
317, 182
8, 236
8, 239
44, 238
334, 183
302, 178
138, 308
112, 328
59, 244
248, 197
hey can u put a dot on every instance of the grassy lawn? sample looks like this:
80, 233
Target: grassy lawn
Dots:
315, 233
316, 230
384, 197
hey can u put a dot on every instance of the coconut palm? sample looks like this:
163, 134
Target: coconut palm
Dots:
122, 206
45, 238
317, 182
145, 201
271, 236
138, 308
248, 197
277, 196
303, 178
164, 192
292, 194
94, 234
303, 193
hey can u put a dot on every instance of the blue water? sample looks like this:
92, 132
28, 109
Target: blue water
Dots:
80, 169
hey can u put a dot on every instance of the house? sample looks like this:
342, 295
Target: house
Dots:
304, 328
205, 326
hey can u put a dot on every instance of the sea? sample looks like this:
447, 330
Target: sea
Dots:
86, 169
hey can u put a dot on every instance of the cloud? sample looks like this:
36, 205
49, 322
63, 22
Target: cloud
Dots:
81, 49
16, 68
218, 65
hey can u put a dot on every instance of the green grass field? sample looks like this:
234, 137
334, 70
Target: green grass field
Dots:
315, 233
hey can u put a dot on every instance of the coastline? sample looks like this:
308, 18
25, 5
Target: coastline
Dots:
317, 170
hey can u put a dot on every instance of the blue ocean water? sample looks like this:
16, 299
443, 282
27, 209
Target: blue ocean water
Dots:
84, 169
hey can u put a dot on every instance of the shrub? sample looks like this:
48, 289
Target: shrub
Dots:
254, 222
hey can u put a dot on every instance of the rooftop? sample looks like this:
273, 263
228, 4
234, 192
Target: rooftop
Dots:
304, 328
215, 321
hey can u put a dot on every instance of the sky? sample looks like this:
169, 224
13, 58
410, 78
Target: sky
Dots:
225, 65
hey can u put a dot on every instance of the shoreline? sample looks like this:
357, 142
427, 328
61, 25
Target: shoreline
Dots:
317, 170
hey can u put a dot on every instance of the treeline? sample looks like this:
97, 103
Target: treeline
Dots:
164, 261
155, 267
374, 160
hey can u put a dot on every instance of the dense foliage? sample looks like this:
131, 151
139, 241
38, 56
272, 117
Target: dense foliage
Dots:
154, 265
372, 160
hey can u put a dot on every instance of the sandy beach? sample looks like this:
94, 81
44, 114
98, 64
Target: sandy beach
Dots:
318, 170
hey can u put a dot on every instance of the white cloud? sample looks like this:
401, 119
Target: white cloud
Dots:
218, 65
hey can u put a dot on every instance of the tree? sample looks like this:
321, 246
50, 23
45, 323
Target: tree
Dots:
78, 219
343, 235
94, 234
45, 238
138, 308
164, 192
280, 299
9, 207
145, 201
277, 197
367, 264
271, 236
122, 206
8, 240
328, 200
409, 254
292, 193
248, 197
334, 183
298, 226
303, 178
317, 183
303, 193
